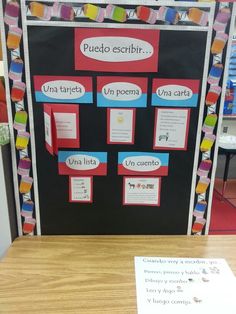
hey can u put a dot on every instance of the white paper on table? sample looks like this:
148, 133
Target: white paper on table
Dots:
184, 286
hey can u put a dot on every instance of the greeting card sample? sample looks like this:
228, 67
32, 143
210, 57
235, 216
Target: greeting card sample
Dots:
48, 129
82, 163
119, 91
61, 124
171, 128
120, 126
63, 89
141, 163
141, 191
81, 189
116, 50
175, 93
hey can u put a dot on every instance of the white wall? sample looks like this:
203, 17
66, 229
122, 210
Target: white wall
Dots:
5, 233
1, 68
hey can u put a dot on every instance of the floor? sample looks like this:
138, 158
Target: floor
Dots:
223, 216
230, 192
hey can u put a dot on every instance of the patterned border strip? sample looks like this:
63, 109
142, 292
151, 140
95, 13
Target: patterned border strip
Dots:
211, 102
145, 14
12, 15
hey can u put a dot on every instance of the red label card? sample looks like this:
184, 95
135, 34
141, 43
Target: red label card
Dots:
63, 89
116, 50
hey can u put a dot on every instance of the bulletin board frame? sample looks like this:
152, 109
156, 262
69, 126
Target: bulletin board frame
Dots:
217, 107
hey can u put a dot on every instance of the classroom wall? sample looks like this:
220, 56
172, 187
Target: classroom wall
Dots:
5, 231
228, 127
8, 229
0, 49
1, 68
5, 234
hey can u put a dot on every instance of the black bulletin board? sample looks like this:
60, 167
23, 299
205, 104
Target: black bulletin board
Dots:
181, 56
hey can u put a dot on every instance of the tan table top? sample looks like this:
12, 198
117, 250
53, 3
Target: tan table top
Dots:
90, 274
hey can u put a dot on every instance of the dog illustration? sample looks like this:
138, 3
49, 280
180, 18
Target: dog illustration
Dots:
131, 186
164, 137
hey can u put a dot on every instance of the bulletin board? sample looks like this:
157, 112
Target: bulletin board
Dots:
114, 130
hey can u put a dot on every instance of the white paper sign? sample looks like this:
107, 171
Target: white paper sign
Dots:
63, 89
171, 128
184, 285
121, 91
116, 49
121, 126
66, 125
141, 191
81, 189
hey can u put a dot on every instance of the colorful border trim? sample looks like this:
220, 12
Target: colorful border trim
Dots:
99, 12
15, 65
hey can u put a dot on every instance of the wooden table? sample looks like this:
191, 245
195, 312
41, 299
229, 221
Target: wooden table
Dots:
90, 274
